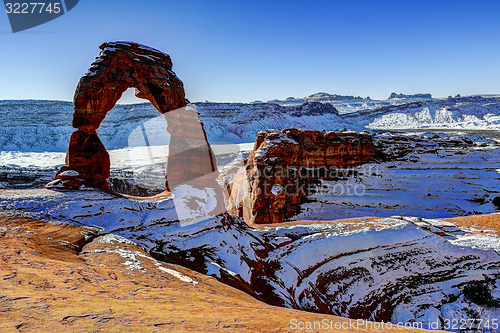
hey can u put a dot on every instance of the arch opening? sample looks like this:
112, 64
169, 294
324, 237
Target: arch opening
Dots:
137, 165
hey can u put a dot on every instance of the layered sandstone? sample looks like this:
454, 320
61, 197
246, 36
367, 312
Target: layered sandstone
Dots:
275, 178
123, 65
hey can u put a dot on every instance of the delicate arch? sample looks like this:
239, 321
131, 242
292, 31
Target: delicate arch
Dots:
123, 65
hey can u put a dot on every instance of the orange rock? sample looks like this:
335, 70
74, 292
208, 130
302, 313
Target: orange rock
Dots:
123, 65
119, 66
88, 157
275, 179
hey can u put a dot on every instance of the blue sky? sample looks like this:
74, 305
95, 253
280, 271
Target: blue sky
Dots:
248, 50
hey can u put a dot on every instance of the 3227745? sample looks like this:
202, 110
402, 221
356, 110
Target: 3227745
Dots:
32, 8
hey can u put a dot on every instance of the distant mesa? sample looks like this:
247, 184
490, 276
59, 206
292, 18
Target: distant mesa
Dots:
322, 97
312, 109
401, 95
325, 97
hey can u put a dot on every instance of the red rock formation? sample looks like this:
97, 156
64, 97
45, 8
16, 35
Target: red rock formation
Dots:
119, 66
123, 65
275, 178
88, 159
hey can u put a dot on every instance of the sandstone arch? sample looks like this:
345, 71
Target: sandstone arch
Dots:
123, 65
119, 66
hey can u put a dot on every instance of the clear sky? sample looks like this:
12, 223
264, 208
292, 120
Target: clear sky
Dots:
248, 50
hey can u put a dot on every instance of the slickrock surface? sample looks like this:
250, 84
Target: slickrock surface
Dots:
60, 278
486, 222
398, 269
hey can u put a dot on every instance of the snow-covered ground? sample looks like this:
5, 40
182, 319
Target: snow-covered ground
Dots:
401, 270
35, 135
431, 182
143, 165
131, 157
32, 160
38, 126
472, 112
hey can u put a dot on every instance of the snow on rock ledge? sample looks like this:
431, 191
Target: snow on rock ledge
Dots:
389, 269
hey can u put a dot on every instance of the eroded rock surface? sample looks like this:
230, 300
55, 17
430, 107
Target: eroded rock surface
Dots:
62, 278
87, 161
392, 269
274, 180
123, 65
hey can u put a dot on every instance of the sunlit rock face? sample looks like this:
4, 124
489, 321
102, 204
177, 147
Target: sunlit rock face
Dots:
119, 66
87, 161
275, 178
123, 65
